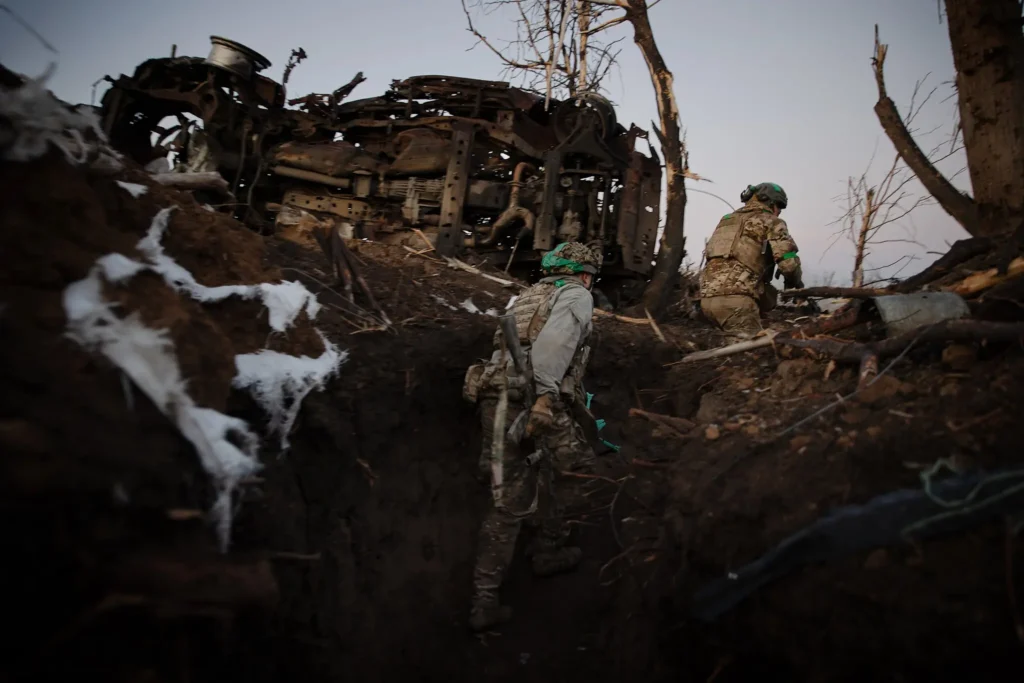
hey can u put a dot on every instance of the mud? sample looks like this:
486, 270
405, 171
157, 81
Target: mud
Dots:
352, 552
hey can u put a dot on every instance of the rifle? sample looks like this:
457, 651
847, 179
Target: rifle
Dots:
507, 323
517, 431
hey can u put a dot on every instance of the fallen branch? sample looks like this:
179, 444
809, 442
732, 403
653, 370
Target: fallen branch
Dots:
731, 349
654, 326
833, 292
979, 282
456, 263
621, 318
351, 259
868, 369
947, 330
677, 425
845, 317
961, 251
649, 320
426, 240
422, 253
194, 181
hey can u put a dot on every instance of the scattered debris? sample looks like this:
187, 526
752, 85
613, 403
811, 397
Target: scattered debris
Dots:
134, 189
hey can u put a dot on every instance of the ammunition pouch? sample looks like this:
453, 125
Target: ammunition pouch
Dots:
472, 381
487, 379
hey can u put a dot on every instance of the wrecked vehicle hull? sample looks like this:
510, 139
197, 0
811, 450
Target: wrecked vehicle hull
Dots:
468, 164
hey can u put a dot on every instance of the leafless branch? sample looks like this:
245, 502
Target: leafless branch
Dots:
554, 49
873, 207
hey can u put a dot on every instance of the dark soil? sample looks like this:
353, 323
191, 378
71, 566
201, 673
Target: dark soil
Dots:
352, 552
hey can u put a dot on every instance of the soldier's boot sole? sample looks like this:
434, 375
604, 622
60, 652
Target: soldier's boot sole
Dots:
557, 562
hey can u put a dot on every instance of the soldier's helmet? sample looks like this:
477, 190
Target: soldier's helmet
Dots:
571, 258
767, 193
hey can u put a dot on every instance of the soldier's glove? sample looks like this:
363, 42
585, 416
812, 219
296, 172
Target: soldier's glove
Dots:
542, 417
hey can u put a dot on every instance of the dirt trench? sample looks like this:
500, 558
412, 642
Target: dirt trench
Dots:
380, 501
351, 553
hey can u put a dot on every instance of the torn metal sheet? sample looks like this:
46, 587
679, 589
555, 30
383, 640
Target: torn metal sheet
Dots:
904, 313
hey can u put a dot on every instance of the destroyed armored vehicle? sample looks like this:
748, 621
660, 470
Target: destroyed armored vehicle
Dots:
469, 164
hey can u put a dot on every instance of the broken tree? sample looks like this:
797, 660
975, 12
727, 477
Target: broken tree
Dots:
568, 29
673, 241
988, 53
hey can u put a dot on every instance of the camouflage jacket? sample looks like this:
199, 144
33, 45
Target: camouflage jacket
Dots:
738, 253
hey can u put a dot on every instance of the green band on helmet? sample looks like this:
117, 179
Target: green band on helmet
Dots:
552, 260
788, 255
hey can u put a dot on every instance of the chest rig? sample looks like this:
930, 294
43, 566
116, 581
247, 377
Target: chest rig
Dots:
531, 311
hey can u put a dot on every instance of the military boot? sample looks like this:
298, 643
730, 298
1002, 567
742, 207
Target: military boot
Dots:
547, 563
488, 612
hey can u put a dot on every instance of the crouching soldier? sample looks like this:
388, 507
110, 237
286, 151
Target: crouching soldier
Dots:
553, 322
741, 258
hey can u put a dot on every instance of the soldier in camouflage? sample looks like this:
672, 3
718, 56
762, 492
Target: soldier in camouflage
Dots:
553, 319
742, 255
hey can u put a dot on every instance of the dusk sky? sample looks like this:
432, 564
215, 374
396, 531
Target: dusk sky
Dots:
768, 91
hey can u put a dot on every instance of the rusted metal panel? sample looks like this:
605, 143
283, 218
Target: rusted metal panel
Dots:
629, 208
649, 216
420, 151
639, 213
433, 150
544, 234
331, 158
449, 236
346, 207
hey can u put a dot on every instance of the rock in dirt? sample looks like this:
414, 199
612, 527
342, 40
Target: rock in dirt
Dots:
793, 376
712, 409
959, 357
855, 415
712, 432
802, 441
883, 387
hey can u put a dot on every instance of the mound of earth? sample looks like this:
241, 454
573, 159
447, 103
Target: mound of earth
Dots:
150, 540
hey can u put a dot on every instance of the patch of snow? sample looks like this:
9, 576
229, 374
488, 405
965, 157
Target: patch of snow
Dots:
284, 301
134, 189
147, 357
158, 165
444, 302
118, 267
39, 120
472, 308
280, 382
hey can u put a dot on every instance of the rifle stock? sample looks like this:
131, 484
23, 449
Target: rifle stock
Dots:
507, 323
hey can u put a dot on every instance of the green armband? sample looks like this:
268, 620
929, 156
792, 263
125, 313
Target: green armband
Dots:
788, 255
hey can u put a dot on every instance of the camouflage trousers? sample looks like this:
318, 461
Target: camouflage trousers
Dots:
530, 495
736, 313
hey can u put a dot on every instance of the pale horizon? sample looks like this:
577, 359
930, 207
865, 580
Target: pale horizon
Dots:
778, 92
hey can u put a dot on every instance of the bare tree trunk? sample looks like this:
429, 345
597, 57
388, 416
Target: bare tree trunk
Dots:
988, 52
670, 254
958, 205
862, 237
584, 11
